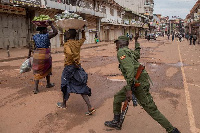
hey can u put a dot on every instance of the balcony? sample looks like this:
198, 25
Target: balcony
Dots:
149, 6
85, 10
100, 14
112, 20
56, 5
137, 24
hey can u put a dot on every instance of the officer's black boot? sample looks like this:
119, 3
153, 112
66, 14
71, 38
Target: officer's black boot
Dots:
114, 123
175, 130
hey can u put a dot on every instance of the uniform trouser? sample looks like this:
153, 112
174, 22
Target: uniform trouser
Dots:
146, 101
190, 42
194, 42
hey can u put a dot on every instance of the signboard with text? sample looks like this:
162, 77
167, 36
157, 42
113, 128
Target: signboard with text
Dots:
12, 9
34, 3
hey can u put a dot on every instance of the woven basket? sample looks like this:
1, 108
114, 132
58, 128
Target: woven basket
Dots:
67, 24
41, 23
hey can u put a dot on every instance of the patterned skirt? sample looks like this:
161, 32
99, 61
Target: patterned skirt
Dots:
42, 63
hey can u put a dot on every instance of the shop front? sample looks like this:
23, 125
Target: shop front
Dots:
15, 22
13, 26
92, 23
105, 32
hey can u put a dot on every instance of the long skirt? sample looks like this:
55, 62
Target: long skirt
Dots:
42, 63
74, 80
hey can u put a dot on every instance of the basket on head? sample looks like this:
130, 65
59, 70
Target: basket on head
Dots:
67, 24
41, 23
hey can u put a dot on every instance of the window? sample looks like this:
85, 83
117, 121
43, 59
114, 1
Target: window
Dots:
112, 11
103, 9
118, 13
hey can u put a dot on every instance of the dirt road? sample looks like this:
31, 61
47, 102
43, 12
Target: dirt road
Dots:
173, 67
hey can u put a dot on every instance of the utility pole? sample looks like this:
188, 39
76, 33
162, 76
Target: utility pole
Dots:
170, 27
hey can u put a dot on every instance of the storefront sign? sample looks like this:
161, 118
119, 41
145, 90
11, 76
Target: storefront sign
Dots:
126, 21
196, 16
106, 27
12, 9
92, 30
5, 1
34, 3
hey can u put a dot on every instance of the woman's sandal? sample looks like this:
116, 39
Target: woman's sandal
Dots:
90, 112
60, 105
35, 91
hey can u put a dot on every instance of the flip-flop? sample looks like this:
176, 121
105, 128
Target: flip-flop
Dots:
90, 112
35, 92
60, 105
50, 85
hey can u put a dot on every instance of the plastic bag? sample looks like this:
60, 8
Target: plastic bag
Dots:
26, 66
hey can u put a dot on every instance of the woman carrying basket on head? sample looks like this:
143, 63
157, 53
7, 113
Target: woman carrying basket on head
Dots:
42, 61
74, 78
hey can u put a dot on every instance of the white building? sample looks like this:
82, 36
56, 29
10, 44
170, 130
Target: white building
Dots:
149, 8
136, 6
144, 7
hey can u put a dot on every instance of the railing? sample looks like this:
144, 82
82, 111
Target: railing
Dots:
78, 6
148, 5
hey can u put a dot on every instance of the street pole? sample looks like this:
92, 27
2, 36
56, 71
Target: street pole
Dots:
65, 4
170, 24
69, 5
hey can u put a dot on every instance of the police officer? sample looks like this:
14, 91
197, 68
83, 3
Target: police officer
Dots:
128, 64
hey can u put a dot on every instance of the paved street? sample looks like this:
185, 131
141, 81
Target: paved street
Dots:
173, 67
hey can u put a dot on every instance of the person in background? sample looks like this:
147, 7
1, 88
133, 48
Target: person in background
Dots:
180, 37
42, 61
190, 38
96, 38
194, 38
131, 37
173, 36
127, 35
74, 78
168, 35
187, 36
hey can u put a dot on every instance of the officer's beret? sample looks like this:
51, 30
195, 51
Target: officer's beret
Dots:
124, 38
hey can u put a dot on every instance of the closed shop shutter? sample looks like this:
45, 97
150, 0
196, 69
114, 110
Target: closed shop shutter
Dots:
1, 33
13, 30
92, 24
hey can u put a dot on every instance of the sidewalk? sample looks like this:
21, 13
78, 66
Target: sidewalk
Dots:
21, 53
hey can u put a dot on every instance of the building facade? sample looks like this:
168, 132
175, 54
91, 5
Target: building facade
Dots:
192, 21
106, 18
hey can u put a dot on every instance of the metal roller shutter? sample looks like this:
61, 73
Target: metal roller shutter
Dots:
13, 30
92, 24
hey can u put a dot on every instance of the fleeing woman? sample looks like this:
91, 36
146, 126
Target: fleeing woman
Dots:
42, 61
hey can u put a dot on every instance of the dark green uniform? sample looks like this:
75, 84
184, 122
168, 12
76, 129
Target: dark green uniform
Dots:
128, 60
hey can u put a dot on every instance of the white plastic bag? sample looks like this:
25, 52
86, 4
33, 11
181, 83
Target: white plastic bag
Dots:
27, 65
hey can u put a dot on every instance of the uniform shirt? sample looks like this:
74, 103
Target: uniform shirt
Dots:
128, 64
72, 50
41, 40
